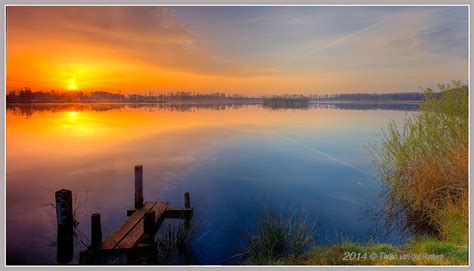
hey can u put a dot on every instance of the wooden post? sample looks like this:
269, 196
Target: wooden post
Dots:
187, 201
138, 186
149, 226
187, 204
65, 242
96, 231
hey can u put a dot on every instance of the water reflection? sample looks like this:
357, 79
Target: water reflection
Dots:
28, 109
229, 157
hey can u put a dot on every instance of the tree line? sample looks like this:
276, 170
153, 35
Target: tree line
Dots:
405, 96
26, 95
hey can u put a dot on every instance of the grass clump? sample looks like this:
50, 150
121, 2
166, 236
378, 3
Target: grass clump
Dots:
451, 252
176, 242
424, 167
277, 236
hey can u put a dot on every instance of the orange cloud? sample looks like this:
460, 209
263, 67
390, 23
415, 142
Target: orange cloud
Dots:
141, 49
99, 47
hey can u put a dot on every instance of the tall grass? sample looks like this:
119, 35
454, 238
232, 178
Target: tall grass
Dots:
277, 234
175, 242
424, 167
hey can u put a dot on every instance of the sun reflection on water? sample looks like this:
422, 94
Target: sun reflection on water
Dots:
77, 123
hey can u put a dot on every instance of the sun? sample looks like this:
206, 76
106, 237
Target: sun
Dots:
72, 86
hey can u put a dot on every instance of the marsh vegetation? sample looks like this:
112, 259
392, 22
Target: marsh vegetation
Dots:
423, 167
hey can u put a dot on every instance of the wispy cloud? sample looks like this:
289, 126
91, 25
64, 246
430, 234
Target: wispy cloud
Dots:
320, 49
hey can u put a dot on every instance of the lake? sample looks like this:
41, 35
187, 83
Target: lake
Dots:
231, 158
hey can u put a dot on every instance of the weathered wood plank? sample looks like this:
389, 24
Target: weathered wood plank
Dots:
119, 234
134, 237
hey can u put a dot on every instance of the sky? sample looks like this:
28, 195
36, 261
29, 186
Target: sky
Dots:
253, 50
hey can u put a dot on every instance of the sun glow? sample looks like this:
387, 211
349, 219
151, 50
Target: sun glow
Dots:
72, 86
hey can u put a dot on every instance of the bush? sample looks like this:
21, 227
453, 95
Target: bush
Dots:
424, 167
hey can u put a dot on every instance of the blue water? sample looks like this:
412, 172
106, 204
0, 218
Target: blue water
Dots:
232, 162
252, 171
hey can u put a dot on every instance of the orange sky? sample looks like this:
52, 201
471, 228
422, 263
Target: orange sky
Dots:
244, 50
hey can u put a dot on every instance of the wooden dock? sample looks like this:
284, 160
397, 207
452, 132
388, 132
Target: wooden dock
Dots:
132, 231
133, 239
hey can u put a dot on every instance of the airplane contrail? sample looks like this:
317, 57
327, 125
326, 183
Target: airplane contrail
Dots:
326, 155
327, 45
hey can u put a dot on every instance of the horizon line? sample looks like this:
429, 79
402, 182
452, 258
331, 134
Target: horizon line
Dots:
225, 92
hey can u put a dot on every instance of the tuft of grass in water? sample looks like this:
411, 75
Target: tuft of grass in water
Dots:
277, 235
175, 242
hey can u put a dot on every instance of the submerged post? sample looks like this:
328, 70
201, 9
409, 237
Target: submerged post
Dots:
138, 186
65, 220
149, 226
96, 231
187, 204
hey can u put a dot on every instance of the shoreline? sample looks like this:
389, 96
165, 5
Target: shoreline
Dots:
256, 102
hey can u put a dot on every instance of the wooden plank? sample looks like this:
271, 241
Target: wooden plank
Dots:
181, 213
120, 233
160, 209
134, 237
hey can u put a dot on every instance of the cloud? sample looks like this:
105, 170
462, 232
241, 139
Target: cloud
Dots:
145, 35
402, 39
326, 46
101, 25
439, 35
241, 49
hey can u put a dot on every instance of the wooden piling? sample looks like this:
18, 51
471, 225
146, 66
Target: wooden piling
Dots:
96, 231
187, 201
65, 220
138, 186
187, 204
149, 226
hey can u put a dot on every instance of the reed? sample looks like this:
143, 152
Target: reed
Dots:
176, 242
277, 234
423, 165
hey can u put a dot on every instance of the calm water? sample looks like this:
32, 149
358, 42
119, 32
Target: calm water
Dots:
231, 159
